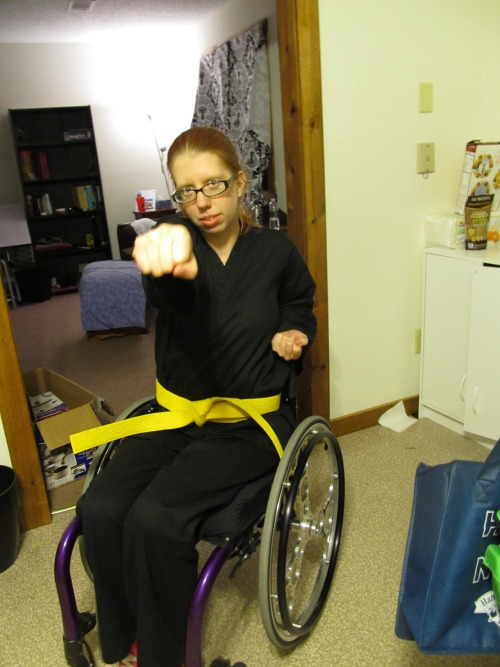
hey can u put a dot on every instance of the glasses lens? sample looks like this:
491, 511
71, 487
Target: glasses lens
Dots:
184, 196
214, 188
211, 189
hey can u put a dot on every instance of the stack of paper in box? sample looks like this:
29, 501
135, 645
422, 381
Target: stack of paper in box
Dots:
60, 407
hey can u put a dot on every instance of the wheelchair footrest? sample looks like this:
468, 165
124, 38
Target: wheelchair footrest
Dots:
77, 653
87, 622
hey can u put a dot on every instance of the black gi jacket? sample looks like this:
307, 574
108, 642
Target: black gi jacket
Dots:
213, 333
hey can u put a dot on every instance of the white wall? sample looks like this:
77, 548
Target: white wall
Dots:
374, 55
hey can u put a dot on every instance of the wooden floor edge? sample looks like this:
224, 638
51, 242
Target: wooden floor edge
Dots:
357, 421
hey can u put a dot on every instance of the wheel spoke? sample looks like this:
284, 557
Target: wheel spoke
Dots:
310, 526
299, 547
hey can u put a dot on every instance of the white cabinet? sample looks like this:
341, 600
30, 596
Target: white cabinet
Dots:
460, 373
482, 395
445, 334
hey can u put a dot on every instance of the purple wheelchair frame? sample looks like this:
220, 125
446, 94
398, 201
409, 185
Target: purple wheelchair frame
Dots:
77, 624
236, 530
230, 529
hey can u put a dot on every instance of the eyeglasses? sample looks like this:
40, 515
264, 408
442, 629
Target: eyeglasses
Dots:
213, 188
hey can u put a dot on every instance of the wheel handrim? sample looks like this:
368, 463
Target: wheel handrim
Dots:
290, 604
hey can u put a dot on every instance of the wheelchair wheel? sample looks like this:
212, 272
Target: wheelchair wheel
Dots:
103, 456
301, 533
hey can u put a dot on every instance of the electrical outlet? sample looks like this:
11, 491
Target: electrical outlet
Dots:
425, 158
418, 341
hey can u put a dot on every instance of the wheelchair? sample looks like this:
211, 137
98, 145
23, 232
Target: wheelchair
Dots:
294, 515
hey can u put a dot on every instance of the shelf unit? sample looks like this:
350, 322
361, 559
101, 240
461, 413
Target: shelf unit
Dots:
62, 191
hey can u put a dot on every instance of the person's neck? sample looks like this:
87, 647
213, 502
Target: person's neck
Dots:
223, 244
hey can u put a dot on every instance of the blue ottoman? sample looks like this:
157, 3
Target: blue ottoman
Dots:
112, 297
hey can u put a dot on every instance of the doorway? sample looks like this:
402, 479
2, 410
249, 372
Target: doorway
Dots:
298, 32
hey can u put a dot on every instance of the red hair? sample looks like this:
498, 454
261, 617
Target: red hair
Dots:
210, 140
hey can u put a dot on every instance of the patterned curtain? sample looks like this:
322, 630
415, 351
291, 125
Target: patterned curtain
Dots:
233, 96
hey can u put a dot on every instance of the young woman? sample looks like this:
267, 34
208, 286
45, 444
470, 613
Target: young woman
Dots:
234, 314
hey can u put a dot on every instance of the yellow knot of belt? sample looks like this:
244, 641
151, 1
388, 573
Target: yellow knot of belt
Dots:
181, 412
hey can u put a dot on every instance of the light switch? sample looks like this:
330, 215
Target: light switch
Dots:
426, 97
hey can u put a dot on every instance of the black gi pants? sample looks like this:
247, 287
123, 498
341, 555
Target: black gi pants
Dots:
140, 522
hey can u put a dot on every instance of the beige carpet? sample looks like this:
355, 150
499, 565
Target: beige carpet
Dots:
357, 626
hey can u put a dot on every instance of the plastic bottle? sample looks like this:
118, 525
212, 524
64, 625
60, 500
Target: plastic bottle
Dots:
274, 218
257, 213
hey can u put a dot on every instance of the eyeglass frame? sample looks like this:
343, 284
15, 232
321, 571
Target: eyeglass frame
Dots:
227, 182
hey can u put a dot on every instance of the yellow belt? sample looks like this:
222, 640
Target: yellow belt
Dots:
181, 413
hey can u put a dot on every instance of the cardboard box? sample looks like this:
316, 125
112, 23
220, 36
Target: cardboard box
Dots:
480, 173
59, 463
61, 466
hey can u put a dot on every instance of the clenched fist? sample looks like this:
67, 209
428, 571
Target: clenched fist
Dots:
166, 249
289, 344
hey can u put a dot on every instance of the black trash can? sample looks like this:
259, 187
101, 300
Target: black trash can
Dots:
9, 518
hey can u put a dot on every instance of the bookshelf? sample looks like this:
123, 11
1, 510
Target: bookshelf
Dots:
62, 190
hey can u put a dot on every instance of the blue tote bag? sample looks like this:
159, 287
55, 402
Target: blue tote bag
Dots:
446, 600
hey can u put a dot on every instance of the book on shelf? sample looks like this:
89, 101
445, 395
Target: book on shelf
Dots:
39, 205
84, 197
43, 165
79, 198
56, 245
91, 200
77, 135
27, 170
34, 166
30, 206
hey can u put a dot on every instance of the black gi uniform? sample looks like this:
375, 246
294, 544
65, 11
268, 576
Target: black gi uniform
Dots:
141, 514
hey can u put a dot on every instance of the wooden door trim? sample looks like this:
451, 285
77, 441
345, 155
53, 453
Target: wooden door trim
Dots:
300, 71
17, 425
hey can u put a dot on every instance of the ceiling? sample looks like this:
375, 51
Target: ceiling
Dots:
46, 21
